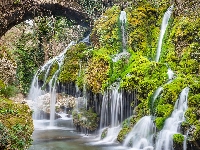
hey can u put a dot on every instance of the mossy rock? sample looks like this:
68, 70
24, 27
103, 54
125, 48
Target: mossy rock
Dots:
86, 119
160, 121
75, 57
104, 133
122, 134
97, 73
143, 75
178, 140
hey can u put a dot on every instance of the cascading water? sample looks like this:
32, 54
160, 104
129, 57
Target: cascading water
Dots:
123, 23
155, 95
112, 113
171, 126
170, 74
116, 106
36, 91
141, 136
162, 31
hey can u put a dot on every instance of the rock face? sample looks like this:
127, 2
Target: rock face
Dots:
42, 106
14, 12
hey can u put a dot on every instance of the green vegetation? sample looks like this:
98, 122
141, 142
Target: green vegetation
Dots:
93, 65
104, 133
16, 125
74, 57
178, 140
28, 58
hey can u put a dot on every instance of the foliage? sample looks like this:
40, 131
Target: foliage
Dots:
74, 58
29, 58
143, 75
7, 66
182, 45
160, 122
98, 71
106, 31
143, 30
104, 133
178, 138
122, 134
53, 69
91, 7
16, 125
8, 91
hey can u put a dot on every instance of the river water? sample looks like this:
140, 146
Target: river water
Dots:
63, 136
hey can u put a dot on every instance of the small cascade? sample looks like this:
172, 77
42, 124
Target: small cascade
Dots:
162, 31
141, 136
120, 56
36, 90
86, 39
112, 113
123, 24
170, 74
171, 126
155, 95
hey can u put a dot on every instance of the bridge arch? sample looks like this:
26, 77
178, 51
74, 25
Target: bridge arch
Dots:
13, 12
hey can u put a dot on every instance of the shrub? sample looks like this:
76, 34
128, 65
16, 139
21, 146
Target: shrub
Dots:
16, 125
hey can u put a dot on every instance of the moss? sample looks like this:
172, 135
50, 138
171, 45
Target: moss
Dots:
171, 91
164, 110
191, 115
16, 125
160, 122
182, 45
196, 134
104, 133
143, 75
98, 72
122, 134
178, 140
106, 30
54, 67
74, 57
8, 91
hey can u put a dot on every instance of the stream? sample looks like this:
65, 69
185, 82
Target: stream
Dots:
63, 136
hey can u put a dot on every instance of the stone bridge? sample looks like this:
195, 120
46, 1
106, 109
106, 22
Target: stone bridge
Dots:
13, 12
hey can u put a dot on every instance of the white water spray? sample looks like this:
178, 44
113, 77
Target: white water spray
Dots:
123, 23
141, 136
36, 91
112, 113
162, 31
171, 127
156, 94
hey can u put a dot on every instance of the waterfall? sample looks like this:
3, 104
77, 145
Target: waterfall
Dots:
162, 31
112, 113
171, 126
141, 136
155, 95
36, 91
123, 23
170, 74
